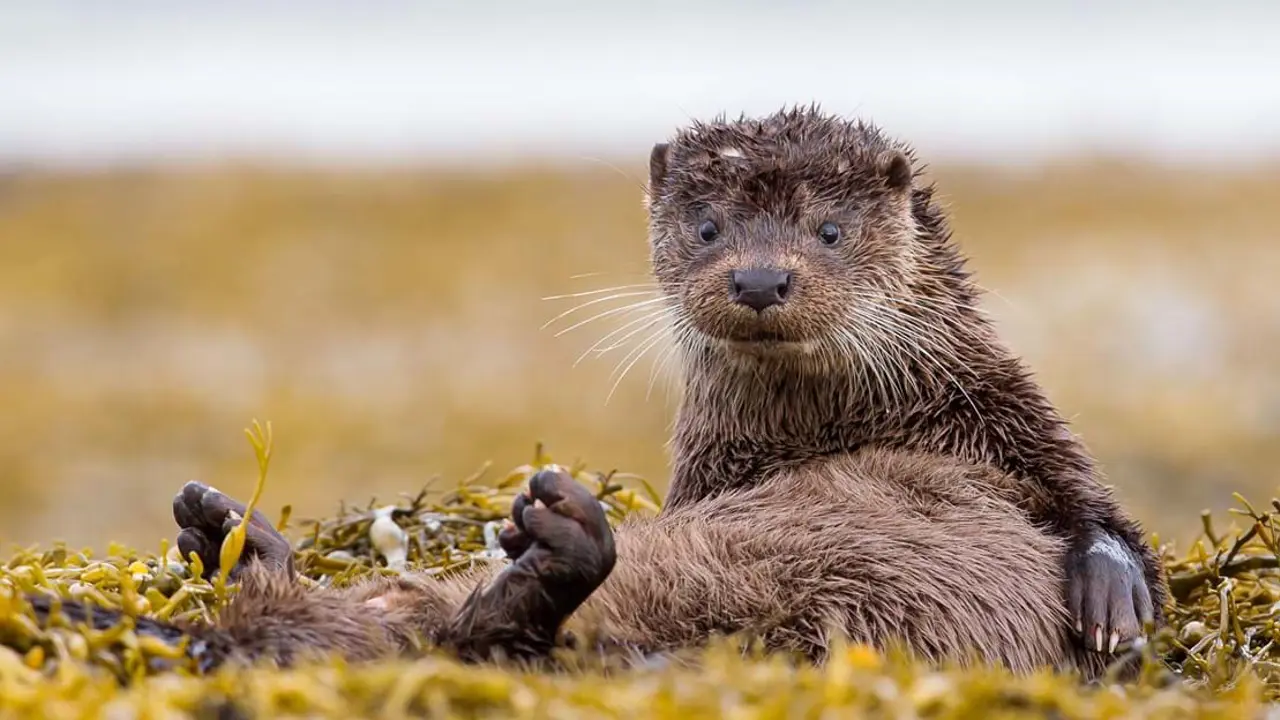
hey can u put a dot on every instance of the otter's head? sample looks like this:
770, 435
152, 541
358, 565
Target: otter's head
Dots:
786, 235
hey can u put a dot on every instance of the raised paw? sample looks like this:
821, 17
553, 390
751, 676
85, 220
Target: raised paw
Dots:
558, 529
1107, 594
205, 516
562, 549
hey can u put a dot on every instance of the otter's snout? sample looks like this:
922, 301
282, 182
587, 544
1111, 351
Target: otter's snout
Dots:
760, 288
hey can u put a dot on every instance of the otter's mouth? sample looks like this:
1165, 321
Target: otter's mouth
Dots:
763, 337
762, 342
771, 348
755, 334
736, 327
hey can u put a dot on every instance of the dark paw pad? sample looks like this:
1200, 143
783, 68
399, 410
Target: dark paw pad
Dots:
565, 523
1107, 595
562, 547
205, 516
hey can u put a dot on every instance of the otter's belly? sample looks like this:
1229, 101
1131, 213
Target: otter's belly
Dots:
919, 549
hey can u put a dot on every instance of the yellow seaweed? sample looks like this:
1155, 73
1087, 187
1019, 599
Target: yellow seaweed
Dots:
1218, 657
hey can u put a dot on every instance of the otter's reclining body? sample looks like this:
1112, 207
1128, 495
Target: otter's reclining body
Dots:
881, 547
855, 452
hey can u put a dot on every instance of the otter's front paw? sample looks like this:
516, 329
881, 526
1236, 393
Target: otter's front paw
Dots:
562, 548
559, 531
1107, 594
205, 516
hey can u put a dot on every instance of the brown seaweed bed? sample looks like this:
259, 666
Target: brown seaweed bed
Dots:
1217, 658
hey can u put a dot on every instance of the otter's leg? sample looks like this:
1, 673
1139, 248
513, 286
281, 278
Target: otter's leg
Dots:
558, 537
560, 541
562, 547
274, 617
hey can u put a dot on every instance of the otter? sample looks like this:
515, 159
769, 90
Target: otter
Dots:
855, 454
823, 307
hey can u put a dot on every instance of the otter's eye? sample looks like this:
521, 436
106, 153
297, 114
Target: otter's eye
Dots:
708, 230
829, 233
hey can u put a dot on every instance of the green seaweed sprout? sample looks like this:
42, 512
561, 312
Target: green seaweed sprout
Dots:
1218, 657
233, 543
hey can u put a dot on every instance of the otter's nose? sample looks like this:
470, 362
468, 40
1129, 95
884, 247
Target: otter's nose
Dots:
760, 288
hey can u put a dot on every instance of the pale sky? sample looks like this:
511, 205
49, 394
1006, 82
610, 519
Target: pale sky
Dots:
83, 82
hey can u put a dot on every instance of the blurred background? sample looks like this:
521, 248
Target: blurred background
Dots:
345, 219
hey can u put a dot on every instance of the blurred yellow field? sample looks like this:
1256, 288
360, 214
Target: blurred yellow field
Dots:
390, 325
411, 240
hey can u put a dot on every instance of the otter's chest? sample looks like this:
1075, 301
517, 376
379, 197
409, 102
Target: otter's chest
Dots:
710, 466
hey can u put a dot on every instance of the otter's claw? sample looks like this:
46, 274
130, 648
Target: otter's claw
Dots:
1107, 594
205, 516
512, 537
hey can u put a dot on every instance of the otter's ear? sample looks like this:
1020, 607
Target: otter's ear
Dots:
658, 166
895, 167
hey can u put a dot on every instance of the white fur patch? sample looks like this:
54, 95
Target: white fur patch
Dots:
730, 152
1111, 547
